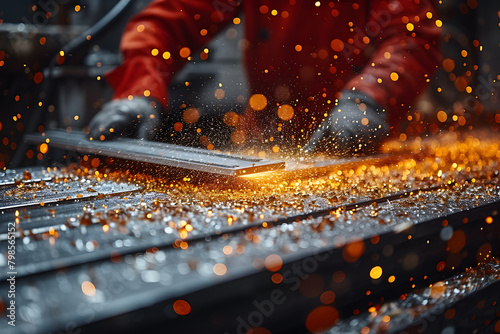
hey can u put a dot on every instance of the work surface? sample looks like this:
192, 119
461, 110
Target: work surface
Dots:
141, 249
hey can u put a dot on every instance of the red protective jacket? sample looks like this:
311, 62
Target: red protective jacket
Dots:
298, 54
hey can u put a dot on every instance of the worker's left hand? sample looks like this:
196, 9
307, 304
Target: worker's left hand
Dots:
139, 117
356, 125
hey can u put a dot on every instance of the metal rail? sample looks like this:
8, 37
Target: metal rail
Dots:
103, 255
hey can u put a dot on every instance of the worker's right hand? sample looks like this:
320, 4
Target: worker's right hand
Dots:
139, 118
357, 125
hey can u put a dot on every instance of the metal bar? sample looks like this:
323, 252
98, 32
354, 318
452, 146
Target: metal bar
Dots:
159, 153
52, 193
101, 255
10, 177
468, 314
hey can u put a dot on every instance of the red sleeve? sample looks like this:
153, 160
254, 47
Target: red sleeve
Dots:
158, 40
406, 39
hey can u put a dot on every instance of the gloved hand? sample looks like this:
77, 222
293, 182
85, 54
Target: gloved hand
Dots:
356, 125
139, 117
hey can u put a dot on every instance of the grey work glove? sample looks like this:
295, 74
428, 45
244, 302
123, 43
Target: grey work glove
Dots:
356, 125
139, 117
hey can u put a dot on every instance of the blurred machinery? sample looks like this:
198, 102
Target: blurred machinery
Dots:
31, 38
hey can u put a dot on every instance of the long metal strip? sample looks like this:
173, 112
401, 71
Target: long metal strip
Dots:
10, 177
96, 256
158, 153
51, 193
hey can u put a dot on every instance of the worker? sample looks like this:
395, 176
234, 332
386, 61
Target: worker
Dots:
335, 75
